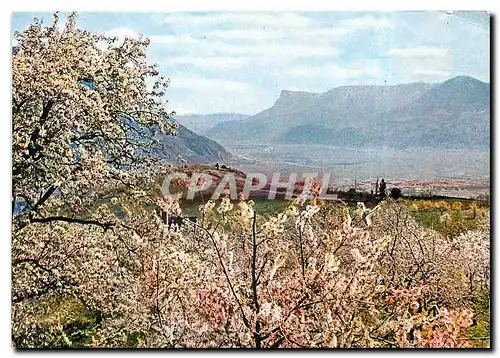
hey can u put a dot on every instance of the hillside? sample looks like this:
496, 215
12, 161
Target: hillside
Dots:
451, 114
192, 147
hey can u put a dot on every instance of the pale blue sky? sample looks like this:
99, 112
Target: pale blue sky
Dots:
239, 62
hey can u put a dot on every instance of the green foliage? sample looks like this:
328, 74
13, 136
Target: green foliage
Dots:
449, 218
270, 207
479, 332
134, 339
67, 323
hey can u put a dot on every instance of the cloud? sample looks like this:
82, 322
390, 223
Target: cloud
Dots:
176, 40
181, 110
264, 39
278, 20
282, 48
327, 32
282, 51
421, 68
260, 53
288, 29
420, 51
433, 73
422, 63
206, 62
284, 34
367, 22
246, 35
121, 32
338, 72
211, 95
238, 19
211, 84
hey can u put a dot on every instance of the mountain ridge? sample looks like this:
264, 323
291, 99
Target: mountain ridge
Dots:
404, 115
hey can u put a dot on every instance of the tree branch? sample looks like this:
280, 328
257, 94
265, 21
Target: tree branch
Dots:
105, 226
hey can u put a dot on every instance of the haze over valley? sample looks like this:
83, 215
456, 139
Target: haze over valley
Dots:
413, 131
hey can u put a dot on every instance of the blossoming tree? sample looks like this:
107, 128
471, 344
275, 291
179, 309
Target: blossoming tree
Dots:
313, 276
85, 109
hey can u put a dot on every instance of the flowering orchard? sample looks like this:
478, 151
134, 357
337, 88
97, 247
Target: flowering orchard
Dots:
312, 276
85, 274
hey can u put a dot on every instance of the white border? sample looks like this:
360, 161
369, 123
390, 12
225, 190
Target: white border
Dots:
184, 5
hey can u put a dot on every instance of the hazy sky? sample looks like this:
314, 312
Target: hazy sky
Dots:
239, 62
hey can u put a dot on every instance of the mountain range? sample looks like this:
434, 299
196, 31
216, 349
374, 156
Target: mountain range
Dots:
451, 114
